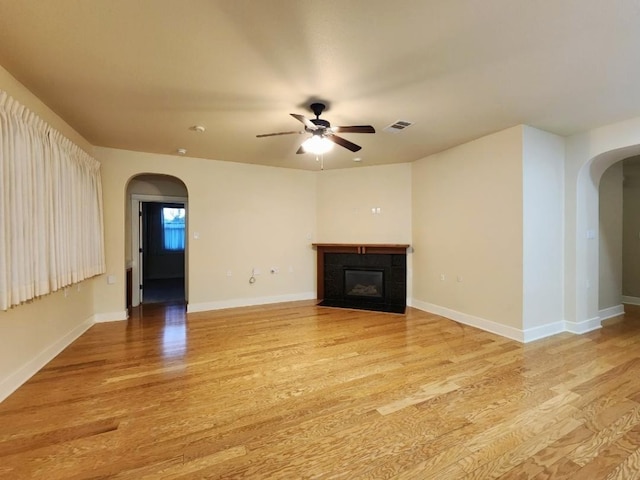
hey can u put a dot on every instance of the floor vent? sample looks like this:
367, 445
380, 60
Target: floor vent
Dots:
398, 126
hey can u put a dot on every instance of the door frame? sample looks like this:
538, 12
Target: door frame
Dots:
136, 200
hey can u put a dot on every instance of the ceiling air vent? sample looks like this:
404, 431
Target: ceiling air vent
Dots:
398, 126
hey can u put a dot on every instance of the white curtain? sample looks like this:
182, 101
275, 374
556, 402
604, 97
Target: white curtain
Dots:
51, 228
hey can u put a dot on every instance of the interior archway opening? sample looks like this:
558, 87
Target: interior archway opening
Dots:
156, 240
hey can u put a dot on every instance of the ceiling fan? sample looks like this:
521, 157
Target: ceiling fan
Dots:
323, 135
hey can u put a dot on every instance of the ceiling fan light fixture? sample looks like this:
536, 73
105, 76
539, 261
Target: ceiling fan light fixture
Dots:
317, 145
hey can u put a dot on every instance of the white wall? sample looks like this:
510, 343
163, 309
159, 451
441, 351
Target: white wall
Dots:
467, 226
33, 333
245, 217
610, 231
543, 232
346, 198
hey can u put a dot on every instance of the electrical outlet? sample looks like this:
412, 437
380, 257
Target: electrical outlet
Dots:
229, 273
442, 277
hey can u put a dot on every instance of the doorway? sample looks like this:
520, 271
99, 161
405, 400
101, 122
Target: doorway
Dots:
159, 246
162, 237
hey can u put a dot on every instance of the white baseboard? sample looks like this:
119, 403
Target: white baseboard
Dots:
473, 321
110, 317
543, 331
248, 302
524, 336
583, 327
630, 300
611, 312
29, 369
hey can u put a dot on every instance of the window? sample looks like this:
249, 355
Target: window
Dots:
51, 229
173, 228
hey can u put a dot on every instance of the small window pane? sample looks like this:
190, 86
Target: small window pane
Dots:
173, 228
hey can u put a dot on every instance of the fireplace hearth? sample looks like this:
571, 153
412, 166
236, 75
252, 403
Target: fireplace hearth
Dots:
369, 277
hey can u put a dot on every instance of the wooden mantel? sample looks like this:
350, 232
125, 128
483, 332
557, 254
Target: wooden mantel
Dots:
359, 248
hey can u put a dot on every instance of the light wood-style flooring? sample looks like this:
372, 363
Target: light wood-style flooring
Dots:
297, 391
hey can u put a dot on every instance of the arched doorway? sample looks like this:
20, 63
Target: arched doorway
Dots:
583, 268
156, 239
619, 248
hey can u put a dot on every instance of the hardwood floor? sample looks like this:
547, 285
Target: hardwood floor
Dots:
298, 391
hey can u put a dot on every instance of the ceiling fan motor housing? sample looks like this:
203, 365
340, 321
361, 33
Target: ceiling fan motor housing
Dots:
317, 108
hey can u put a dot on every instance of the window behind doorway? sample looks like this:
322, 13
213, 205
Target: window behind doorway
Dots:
173, 228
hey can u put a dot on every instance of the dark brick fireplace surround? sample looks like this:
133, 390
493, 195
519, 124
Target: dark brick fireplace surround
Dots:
341, 266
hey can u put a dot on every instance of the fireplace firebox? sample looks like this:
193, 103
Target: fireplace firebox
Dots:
368, 277
363, 283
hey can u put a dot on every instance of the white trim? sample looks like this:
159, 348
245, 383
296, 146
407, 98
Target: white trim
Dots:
110, 317
524, 336
611, 312
583, 327
630, 300
481, 323
16, 379
248, 302
543, 331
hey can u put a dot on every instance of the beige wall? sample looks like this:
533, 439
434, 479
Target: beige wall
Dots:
610, 235
346, 199
467, 225
31, 334
245, 217
631, 229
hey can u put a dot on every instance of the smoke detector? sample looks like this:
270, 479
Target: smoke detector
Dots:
198, 128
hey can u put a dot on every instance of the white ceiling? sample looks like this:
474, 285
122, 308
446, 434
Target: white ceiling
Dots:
136, 74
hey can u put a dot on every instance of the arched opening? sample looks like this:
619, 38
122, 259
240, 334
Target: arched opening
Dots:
631, 231
156, 240
619, 239
584, 287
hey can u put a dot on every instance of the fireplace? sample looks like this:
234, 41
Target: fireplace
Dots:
369, 277
363, 283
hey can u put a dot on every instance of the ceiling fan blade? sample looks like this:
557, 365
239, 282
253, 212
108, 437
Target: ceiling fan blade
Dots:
355, 129
278, 133
343, 142
301, 150
307, 123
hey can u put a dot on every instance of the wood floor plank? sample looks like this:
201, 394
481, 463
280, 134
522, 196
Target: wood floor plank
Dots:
588, 451
629, 469
299, 391
507, 459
